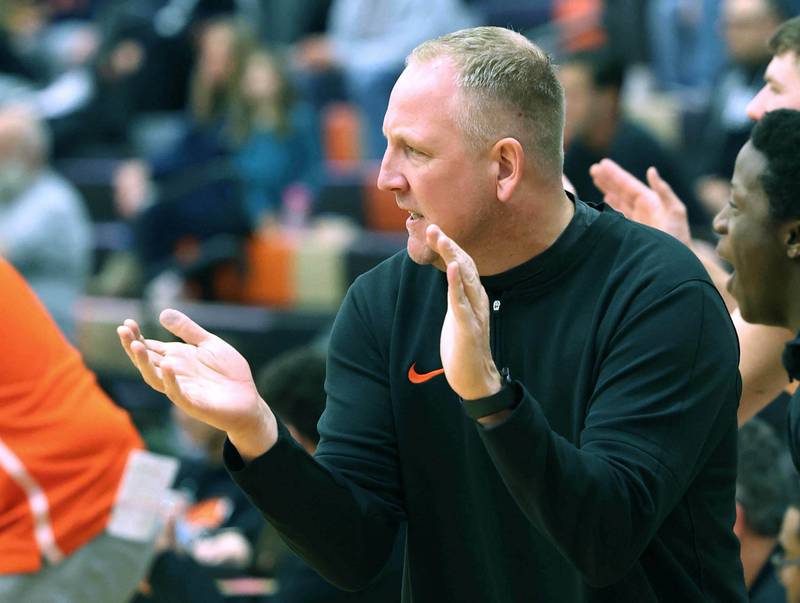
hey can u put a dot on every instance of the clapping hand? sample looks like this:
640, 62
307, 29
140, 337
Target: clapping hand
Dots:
657, 205
464, 345
206, 377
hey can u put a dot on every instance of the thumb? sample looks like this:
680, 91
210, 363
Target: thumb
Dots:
184, 327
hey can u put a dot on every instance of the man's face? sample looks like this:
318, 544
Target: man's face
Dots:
429, 166
748, 25
750, 240
790, 541
782, 87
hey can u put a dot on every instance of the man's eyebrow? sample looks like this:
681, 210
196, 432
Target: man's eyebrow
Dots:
404, 136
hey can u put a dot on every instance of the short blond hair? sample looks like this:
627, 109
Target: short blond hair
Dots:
510, 89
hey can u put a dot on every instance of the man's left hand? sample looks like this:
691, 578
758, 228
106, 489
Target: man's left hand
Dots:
464, 345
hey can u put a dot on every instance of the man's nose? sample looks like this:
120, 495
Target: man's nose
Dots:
720, 223
389, 177
755, 108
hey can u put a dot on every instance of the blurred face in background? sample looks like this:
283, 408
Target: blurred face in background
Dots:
261, 80
216, 60
578, 96
781, 88
747, 26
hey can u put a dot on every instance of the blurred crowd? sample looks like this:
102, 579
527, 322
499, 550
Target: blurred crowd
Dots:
225, 151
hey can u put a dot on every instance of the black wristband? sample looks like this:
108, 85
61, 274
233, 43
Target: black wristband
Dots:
506, 399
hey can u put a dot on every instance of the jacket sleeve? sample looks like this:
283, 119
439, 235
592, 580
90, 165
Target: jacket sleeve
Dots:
339, 510
667, 391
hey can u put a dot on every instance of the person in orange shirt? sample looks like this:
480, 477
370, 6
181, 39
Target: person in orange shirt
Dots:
64, 446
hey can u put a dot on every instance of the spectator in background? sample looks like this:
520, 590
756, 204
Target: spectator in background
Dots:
44, 226
276, 140
97, 121
185, 204
747, 25
596, 127
369, 40
222, 45
220, 526
763, 492
685, 45
296, 381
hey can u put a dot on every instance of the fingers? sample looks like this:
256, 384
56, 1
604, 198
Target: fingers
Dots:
134, 327
442, 244
126, 338
151, 373
469, 279
185, 393
662, 188
172, 387
184, 327
456, 295
129, 332
156, 346
609, 177
620, 203
601, 175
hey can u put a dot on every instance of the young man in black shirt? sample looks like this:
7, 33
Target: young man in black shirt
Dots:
545, 391
763, 377
760, 237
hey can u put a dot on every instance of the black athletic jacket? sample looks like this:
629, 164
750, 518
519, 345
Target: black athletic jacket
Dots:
612, 480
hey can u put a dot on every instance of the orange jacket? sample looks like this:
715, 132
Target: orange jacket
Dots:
63, 442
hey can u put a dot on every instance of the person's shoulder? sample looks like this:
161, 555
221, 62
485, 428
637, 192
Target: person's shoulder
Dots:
395, 277
653, 250
50, 182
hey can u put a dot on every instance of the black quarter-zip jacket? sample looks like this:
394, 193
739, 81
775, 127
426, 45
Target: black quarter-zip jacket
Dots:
611, 480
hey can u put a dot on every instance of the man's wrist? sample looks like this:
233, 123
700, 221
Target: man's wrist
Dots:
256, 439
493, 385
496, 406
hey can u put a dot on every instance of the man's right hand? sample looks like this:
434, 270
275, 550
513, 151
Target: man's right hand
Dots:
206, 377
657, 205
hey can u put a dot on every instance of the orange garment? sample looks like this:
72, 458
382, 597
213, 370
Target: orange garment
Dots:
63, 442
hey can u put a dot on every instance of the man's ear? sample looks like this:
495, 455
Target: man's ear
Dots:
509, 159
790, 235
